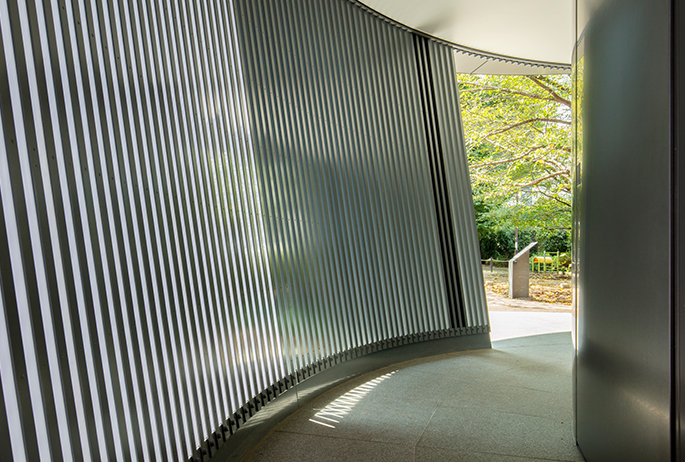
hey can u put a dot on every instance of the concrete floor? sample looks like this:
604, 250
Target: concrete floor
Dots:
511, 403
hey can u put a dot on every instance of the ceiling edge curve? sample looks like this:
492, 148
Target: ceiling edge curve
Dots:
562, 67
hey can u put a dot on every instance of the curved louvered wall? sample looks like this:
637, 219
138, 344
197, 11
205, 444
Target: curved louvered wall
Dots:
205, 203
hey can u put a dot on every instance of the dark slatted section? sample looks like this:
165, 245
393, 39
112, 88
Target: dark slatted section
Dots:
446, 236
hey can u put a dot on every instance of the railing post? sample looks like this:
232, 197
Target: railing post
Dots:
557, 261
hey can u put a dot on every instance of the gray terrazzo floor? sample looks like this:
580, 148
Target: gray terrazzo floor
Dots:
511, 403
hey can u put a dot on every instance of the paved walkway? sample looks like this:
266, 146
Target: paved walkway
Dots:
509, 404
512, 324
520, 318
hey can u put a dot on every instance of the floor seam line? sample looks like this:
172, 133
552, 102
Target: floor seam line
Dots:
426, 426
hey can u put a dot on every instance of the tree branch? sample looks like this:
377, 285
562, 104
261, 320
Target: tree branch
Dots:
505, 90
553, 197
513, 159
554, 163
552, 83
540, 180
525, 122
554, 94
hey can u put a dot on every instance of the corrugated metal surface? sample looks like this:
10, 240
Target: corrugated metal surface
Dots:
203, 204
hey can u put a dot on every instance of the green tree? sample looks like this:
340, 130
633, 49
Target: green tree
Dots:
517, 138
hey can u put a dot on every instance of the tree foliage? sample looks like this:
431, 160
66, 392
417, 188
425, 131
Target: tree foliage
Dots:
517, 137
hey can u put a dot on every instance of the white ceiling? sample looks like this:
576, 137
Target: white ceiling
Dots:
537, 30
